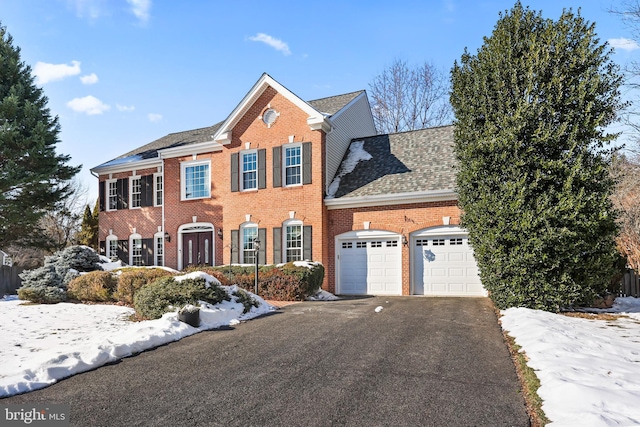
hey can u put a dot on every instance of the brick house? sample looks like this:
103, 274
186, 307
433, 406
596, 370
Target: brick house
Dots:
307, 180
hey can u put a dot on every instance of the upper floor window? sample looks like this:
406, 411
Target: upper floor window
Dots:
158, 187
250, 170
136, 192
195, 179
293, 165
112, 195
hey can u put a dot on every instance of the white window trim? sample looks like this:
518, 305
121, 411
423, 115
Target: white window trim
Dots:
133, 237
110, 237
183, 182
107, 196
244, 226
284, 164
241, 171
131, 178
155, 188
286, 224
158, 236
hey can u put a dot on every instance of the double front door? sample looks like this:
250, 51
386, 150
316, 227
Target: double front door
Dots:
197, 248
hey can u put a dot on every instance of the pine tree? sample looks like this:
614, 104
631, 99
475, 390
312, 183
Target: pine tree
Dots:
87, 235
33, 178
531, 109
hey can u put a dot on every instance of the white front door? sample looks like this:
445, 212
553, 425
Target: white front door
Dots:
443, 264
370, 266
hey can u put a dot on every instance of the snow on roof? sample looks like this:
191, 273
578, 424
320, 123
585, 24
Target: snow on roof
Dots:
357, 154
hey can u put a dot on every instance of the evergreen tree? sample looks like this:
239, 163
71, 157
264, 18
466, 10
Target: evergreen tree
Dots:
88, 235
33, 178
531, 109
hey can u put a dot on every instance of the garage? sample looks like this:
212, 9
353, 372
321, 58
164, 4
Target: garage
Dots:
443, 263
369, 263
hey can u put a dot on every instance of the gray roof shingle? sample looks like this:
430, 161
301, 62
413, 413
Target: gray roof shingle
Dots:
333, 104
420, 160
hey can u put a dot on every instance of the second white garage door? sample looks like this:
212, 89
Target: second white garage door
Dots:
443, 264
370, 266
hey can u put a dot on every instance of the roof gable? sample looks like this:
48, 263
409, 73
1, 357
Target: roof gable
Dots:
400, 163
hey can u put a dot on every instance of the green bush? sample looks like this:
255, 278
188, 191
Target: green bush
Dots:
245, 299
166, 294
212, 271
132, 279
42, 294
94, 286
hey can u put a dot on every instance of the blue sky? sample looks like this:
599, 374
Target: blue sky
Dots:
122, 73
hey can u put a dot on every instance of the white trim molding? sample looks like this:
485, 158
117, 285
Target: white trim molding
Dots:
391, 199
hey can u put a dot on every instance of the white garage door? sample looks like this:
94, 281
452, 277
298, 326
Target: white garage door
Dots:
444, 265
370, 266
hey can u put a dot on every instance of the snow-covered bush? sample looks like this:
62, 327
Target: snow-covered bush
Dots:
59, 269
94, 286
166, 294
245, 299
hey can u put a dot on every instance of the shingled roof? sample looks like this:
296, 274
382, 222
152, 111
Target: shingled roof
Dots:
328, 106
420, 160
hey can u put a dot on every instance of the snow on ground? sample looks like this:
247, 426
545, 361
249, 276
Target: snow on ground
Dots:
43, 343
589, 370
322, 295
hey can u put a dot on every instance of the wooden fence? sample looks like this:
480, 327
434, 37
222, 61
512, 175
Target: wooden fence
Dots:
9, 279
630, 285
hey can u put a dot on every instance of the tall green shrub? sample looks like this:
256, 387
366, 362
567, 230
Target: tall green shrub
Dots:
531, 108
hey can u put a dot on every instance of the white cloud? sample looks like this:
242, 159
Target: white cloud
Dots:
140, 8
277, 44
87, 8
624, 44
89, 105
126, 108
154, 117
89, 79
46, 73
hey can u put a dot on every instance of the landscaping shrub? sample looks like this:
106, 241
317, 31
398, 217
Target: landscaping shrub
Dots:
132, 279
94, 286
79, 258
245, 299
42, 294
216, 272
166, 294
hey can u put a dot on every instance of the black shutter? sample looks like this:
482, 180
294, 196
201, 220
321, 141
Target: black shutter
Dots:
122, 188
262, 168
101, 194
306, 163
277, 245
307, 240
146, 187
262, 252
235, 248
235, 180
147, 251
277, 166
123, 251
103, 247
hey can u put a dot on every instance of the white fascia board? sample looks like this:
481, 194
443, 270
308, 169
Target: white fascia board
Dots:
128, 166
391, 199
185, 150
223, 135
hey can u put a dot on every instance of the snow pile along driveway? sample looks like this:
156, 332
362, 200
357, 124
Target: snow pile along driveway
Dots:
589, 370
41, 344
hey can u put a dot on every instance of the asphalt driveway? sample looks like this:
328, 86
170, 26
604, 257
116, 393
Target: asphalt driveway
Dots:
418, 362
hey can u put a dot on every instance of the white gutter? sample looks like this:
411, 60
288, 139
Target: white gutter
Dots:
391, 199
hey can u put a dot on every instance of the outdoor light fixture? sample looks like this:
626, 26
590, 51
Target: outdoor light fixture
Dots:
220, 233
405, 242
167, 237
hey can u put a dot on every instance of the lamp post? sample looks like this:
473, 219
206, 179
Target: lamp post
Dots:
256, 248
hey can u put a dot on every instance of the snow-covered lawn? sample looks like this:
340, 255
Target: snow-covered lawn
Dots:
40, 343
589, 370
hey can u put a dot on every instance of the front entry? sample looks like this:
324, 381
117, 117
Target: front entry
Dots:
197, 248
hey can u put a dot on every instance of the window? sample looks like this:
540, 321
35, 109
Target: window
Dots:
293, 165
250, 170
249, 235
376, 244
112, 247
347, 245
196, 180
112, 188
293, 243
136, 192
361, 244
438, 242
422, 242
136, 250
159, 248
392, 243
457, 241
158, 190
